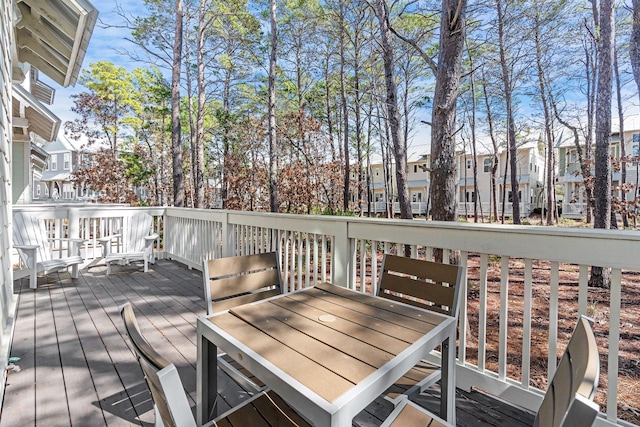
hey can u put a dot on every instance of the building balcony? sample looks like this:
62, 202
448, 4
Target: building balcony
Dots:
526, 287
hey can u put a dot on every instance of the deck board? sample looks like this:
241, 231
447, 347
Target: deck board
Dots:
77, 367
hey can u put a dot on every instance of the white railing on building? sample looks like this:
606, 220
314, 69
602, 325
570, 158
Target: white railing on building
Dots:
348, 251
574, 210
485, 209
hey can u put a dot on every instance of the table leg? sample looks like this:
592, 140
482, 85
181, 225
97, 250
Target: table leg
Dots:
448, 383
206, 379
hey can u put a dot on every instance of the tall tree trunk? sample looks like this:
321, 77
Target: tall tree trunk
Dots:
623, 149
176, 137
634, 44
443, 116
602, 183
198, 155
191, 114
494, 161
474, 151
399, 144
345, 113
634, 56
542, 84
591, 73
511, 125
273, 188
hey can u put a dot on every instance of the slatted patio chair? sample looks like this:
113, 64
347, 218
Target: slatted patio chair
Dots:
36, 251
568, 401
170, 400
429, 285
135, 242
233, 281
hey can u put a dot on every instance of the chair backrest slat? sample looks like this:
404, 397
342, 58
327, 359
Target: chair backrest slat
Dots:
30, 230
577, 373
430, 285
150, 361
232, 281
136, 228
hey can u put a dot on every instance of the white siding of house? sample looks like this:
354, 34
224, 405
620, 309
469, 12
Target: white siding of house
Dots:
7, 299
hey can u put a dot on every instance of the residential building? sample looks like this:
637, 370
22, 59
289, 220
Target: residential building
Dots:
384, 181
571, 180
56, 184
530, 172
50, 36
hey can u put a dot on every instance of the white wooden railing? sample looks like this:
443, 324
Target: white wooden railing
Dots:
574, 210
348, 250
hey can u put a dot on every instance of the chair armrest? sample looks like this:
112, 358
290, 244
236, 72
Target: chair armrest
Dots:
151, 237
26, 247
105, 243
30, 252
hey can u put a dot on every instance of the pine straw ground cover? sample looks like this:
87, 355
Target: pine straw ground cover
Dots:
598, 309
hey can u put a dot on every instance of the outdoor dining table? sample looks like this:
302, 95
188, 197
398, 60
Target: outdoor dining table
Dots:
326, 350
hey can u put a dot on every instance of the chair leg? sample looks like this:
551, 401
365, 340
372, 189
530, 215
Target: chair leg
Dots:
33, 279
75, 271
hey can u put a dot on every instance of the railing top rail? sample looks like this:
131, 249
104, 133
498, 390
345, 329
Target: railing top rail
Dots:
606, 248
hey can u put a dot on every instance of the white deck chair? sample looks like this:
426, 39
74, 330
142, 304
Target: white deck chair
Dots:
36, 252
568, 401
134, 243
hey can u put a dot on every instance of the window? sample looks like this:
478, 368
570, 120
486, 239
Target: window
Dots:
54, 162
634, 151
486, 165
37, 190
470, 196
415, 168
47, 165
469, 164
67, 191
46, 190
377, 170
67, 161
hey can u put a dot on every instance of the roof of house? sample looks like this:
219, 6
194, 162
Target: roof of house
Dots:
59, 145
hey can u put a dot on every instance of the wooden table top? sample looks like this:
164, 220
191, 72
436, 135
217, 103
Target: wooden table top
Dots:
328, 338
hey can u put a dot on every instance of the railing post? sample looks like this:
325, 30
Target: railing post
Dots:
227, 237
73, 218
342, 255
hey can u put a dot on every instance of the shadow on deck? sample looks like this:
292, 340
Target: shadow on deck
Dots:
76, 367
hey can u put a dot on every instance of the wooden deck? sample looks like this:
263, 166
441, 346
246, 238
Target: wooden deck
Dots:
76, 367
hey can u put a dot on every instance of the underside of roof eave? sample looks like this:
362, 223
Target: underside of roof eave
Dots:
56, 50
88, 22
41, 120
